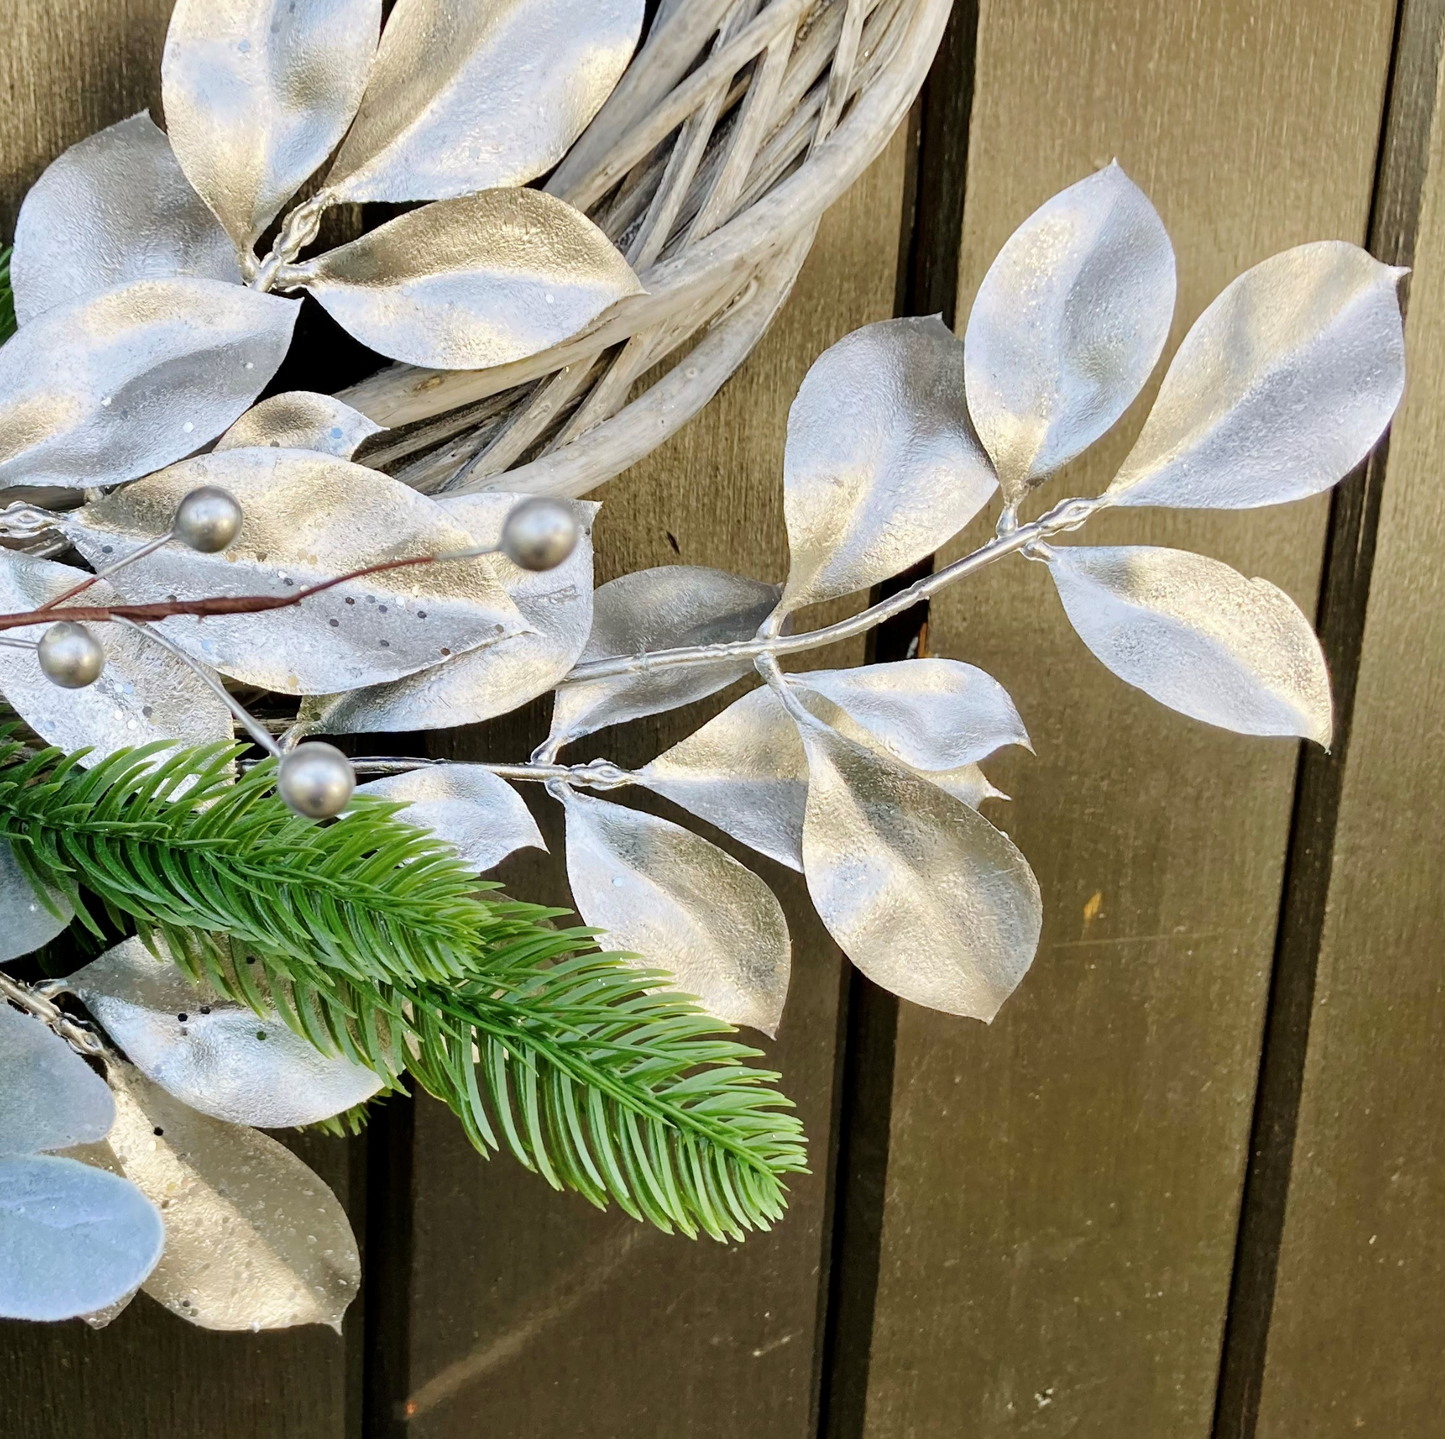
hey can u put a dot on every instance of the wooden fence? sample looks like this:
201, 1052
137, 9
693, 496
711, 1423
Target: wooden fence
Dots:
1191, 1184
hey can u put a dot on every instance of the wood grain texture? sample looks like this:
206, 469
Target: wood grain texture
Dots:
1355, 1343
1064, 1187
532, 1314
67, 68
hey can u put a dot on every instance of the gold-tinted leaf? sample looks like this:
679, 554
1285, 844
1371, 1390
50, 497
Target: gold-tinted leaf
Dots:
1199, 637
254, 1240
924, 895
471, 283
469, 96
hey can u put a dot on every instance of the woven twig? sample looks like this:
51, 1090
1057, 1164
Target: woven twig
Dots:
737, 125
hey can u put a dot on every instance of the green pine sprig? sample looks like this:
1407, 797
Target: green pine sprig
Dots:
373, 940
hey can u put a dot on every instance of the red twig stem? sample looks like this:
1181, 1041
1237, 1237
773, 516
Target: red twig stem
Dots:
216, 605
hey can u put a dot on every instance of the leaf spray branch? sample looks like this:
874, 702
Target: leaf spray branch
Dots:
539, 535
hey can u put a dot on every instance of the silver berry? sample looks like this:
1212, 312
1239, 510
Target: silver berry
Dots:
316, 780
208, 519
540, 534
70, 656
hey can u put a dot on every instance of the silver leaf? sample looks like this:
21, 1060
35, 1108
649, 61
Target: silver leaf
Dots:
118, 385
882, 464
746, 771
682, 905
467, 807
1282, 387
1068, 323
143, 694
25, 922
926, 897
254, 1240
257, 94
471, 283
113, 209
556, 606
73, 1239
309, 519
932, 714
468, 97
50, 1098
1199, 637
301, 420
674, 606
217, 1056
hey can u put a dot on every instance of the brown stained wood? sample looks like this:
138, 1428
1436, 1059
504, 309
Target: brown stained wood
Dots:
1064, 1187
1355, 1342
1344, 600
67, 68
532, 1314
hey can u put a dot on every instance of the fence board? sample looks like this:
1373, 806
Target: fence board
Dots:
1354, 1346
531, 1314
1063, 1188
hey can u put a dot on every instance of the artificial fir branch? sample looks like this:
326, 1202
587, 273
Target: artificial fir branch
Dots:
371, 938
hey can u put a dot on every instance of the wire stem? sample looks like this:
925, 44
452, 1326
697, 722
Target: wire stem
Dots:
1068, 515
32, 1001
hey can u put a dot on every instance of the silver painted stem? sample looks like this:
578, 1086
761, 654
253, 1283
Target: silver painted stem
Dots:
76, 1035
600, 774
1068, 515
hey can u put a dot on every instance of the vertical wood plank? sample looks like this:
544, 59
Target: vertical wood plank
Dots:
531, 1314
1355, 1340
1063, 1189
70, 67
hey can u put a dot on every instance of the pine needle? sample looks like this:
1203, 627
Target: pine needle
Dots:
372, 940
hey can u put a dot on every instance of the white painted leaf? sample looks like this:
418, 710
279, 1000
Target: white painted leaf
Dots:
932, 714
1199, 637
25, 922
666, 608
472, 283
556, 606
1067, 326
925, 896
217, 1056
746, 771
254, 1240
257, 94
468, 96
882, 465
1282, 387
73, 1240
113, 209
681, 905
482, 817
113, 387
50, 1098
309, 518
301, 420
142, 695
